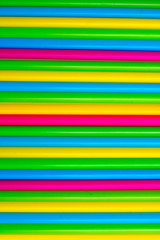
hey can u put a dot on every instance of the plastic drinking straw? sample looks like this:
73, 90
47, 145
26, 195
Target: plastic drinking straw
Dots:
66, 131
77, 76
85, 237
79, 33
80, 196
79, 141
78, 88
80, 120
78, 185
111, 174
80, 108
84, 44
87, 229
71, 97
84, 3
78, 237
79, 12
79, 218
106, 66
79, 207
78, 152
62, 22
80, 163
78, 54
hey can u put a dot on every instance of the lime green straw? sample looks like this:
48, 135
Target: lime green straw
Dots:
50, 97
84, 3
105, 66
67, 131
79, 196
80, 228
79, 163
74, 33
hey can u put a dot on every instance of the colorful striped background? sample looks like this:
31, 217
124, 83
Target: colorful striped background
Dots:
80, 119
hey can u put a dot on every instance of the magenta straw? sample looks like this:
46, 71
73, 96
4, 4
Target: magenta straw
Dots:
80, 120
80, 185
79, 55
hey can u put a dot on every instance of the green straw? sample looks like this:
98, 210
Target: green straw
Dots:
43, 97
74, 33
79, 196
80, 228
79, 163
84, 3
63, 131
106, 66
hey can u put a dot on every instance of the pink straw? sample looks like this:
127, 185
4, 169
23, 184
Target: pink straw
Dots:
80, 120
80, 185
79, 55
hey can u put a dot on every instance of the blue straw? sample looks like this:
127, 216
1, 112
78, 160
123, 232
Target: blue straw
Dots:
85, 44
78, 218
79, 87
79, 141
79, 12
110, 174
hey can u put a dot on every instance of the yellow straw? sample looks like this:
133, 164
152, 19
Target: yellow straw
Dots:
66, 76
84, 237
79, 207
56, 22
80, 109
78, 152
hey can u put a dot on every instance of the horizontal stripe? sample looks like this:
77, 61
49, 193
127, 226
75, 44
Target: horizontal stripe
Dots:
106, 66
79, 141
81, 152
72, 229
110, 174
80, 120
80, 108
78, 54
85, 3
79, 185
77, 76
85, 237
48, 131
71, 97
79, 207
76, 88
79, 33
78, 12
80, 163
79, 196
58, 22
84, 44
78, 218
